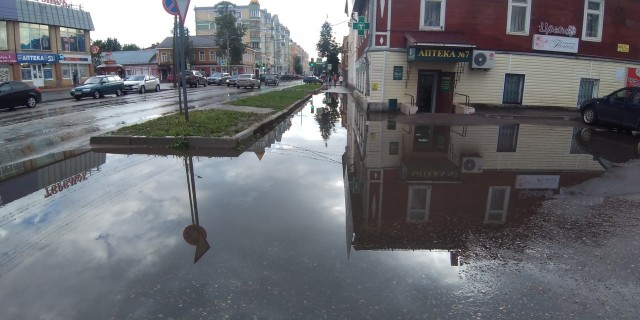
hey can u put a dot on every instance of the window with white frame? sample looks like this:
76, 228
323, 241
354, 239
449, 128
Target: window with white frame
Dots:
519, 17
212, 55
201, 55
419, 201
592, 22
497, 204
4, 42
163, 57
432, 14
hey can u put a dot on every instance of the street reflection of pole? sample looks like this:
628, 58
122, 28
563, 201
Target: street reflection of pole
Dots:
194, 234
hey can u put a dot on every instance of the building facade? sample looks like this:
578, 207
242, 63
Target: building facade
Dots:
437, 53
264, 34
44, 44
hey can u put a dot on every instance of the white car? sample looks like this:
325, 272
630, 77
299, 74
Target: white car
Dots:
141, 83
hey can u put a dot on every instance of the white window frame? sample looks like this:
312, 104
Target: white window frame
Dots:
201, 55
527, 23
163, 57
212, 55
504, 208
443, 9
601, 20
427, 204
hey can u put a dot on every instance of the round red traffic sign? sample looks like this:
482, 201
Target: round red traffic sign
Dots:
95, 49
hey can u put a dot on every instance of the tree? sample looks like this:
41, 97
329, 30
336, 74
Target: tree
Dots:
111, 45
229, 32
297, 65
328, 47
130, 47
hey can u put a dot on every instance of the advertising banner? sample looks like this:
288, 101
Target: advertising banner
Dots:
633, 77
7, 57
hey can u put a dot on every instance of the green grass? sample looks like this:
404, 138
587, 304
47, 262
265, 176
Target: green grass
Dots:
203, 123
277, 100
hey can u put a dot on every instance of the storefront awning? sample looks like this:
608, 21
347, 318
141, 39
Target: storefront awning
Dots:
438, 39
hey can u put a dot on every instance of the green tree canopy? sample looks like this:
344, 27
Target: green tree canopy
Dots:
229, 32
328, 47
297, 65
130, 47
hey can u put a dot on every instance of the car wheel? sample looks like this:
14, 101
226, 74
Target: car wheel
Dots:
204, 84
586, 134
96, 94
142, 90
238, 87
31, 102
157, 88
228, 85
589, 115
118, 93
78, 98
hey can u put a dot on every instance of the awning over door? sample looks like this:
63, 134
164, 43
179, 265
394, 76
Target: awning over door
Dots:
438, 46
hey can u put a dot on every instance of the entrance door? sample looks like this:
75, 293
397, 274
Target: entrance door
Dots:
37, 75
426, 92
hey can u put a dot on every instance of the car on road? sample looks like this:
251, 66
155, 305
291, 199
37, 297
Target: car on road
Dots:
231, 82
194, 78
271, 80
248, 80
98, 87
141, 83
218, 78
311, 79
620, 109
286, 77
16, 93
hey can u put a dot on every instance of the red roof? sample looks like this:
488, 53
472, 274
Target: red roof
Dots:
438, 39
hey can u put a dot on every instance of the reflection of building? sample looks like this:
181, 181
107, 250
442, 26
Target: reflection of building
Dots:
53, 174
422, 186
44, 44
525, 52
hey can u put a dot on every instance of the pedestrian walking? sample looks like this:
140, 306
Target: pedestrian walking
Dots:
75, 78
340, 79
335, 79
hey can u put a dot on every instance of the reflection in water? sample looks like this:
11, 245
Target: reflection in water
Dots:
328, 116
423, 186
194, 234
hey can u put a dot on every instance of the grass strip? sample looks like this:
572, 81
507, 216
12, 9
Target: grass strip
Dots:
277, 100
211, 123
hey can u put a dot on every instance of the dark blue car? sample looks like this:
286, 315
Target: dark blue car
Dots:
620, 109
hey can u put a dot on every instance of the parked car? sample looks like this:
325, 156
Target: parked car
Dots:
141, 83
311, 79
231, 82
286, 77
610, 145
218, 78
15, 93
271, 80
247, 80
194, 78
98, 87
620, 109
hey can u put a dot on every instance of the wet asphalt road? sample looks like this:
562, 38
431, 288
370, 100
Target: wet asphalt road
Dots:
58, 125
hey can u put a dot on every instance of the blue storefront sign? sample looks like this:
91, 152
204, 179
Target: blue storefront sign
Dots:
35, 58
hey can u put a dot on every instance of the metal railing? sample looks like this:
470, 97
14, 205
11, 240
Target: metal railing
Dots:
413, 99
467, 99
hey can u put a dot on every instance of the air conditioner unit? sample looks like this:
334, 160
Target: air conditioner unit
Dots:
471, 165
483, 59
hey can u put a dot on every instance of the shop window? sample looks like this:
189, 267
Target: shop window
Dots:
508, 138
72, 40
519, 17
26, 73
34, 37
4, 42
497, 204
432, 14
513, 88
419, 201
48, 72
592, 21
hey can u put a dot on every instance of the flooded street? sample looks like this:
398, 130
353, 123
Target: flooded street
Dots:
336, 214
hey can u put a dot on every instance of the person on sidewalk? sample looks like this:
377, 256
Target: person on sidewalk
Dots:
75, 79
340, 79
335, 79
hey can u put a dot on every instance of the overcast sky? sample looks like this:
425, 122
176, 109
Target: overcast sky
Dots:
144, 22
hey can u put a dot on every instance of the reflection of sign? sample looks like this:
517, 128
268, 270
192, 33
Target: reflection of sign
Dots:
546, 28
35, 58
65, 184
439, 54
397, 72
361, 26
554, 43
633, 77
537, 182
624, 48
445, 84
